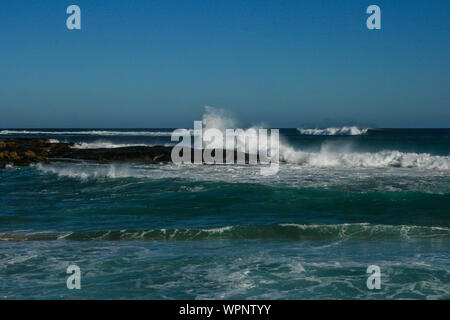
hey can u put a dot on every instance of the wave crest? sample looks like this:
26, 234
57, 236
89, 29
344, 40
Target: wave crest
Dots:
334, 131
289, 231
105, 145
381, 159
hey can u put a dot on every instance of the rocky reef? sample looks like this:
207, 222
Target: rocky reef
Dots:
25, 151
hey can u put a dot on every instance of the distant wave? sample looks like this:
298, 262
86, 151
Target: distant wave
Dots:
107, 145
334, 131
291, 231
89, 132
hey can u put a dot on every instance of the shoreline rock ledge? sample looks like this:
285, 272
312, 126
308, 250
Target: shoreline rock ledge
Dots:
26, 151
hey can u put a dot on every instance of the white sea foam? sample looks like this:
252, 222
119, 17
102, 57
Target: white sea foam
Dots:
111, 145
292, 175
218, 230
334, 131
91, 171
89, 132
381, 159
100, 144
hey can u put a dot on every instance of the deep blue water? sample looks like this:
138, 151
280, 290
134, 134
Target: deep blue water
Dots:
340, 203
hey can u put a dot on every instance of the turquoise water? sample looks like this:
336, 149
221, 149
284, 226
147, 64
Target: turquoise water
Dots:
341, 202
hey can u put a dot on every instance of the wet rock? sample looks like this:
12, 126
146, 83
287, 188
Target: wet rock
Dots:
23, 152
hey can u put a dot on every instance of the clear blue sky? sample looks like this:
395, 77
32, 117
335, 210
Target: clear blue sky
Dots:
282, 63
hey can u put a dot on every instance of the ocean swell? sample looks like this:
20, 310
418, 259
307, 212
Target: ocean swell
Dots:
287, 231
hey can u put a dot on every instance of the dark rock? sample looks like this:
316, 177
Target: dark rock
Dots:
23, 152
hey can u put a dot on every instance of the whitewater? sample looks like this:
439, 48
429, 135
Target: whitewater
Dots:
326, 153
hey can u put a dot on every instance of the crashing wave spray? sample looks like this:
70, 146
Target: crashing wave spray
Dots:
341, 157
219, 136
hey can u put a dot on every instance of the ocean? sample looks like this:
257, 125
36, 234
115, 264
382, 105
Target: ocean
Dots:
344, 199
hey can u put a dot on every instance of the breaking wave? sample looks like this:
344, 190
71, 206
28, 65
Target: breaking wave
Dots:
334, 131
333, 158
287, 231
382, 159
